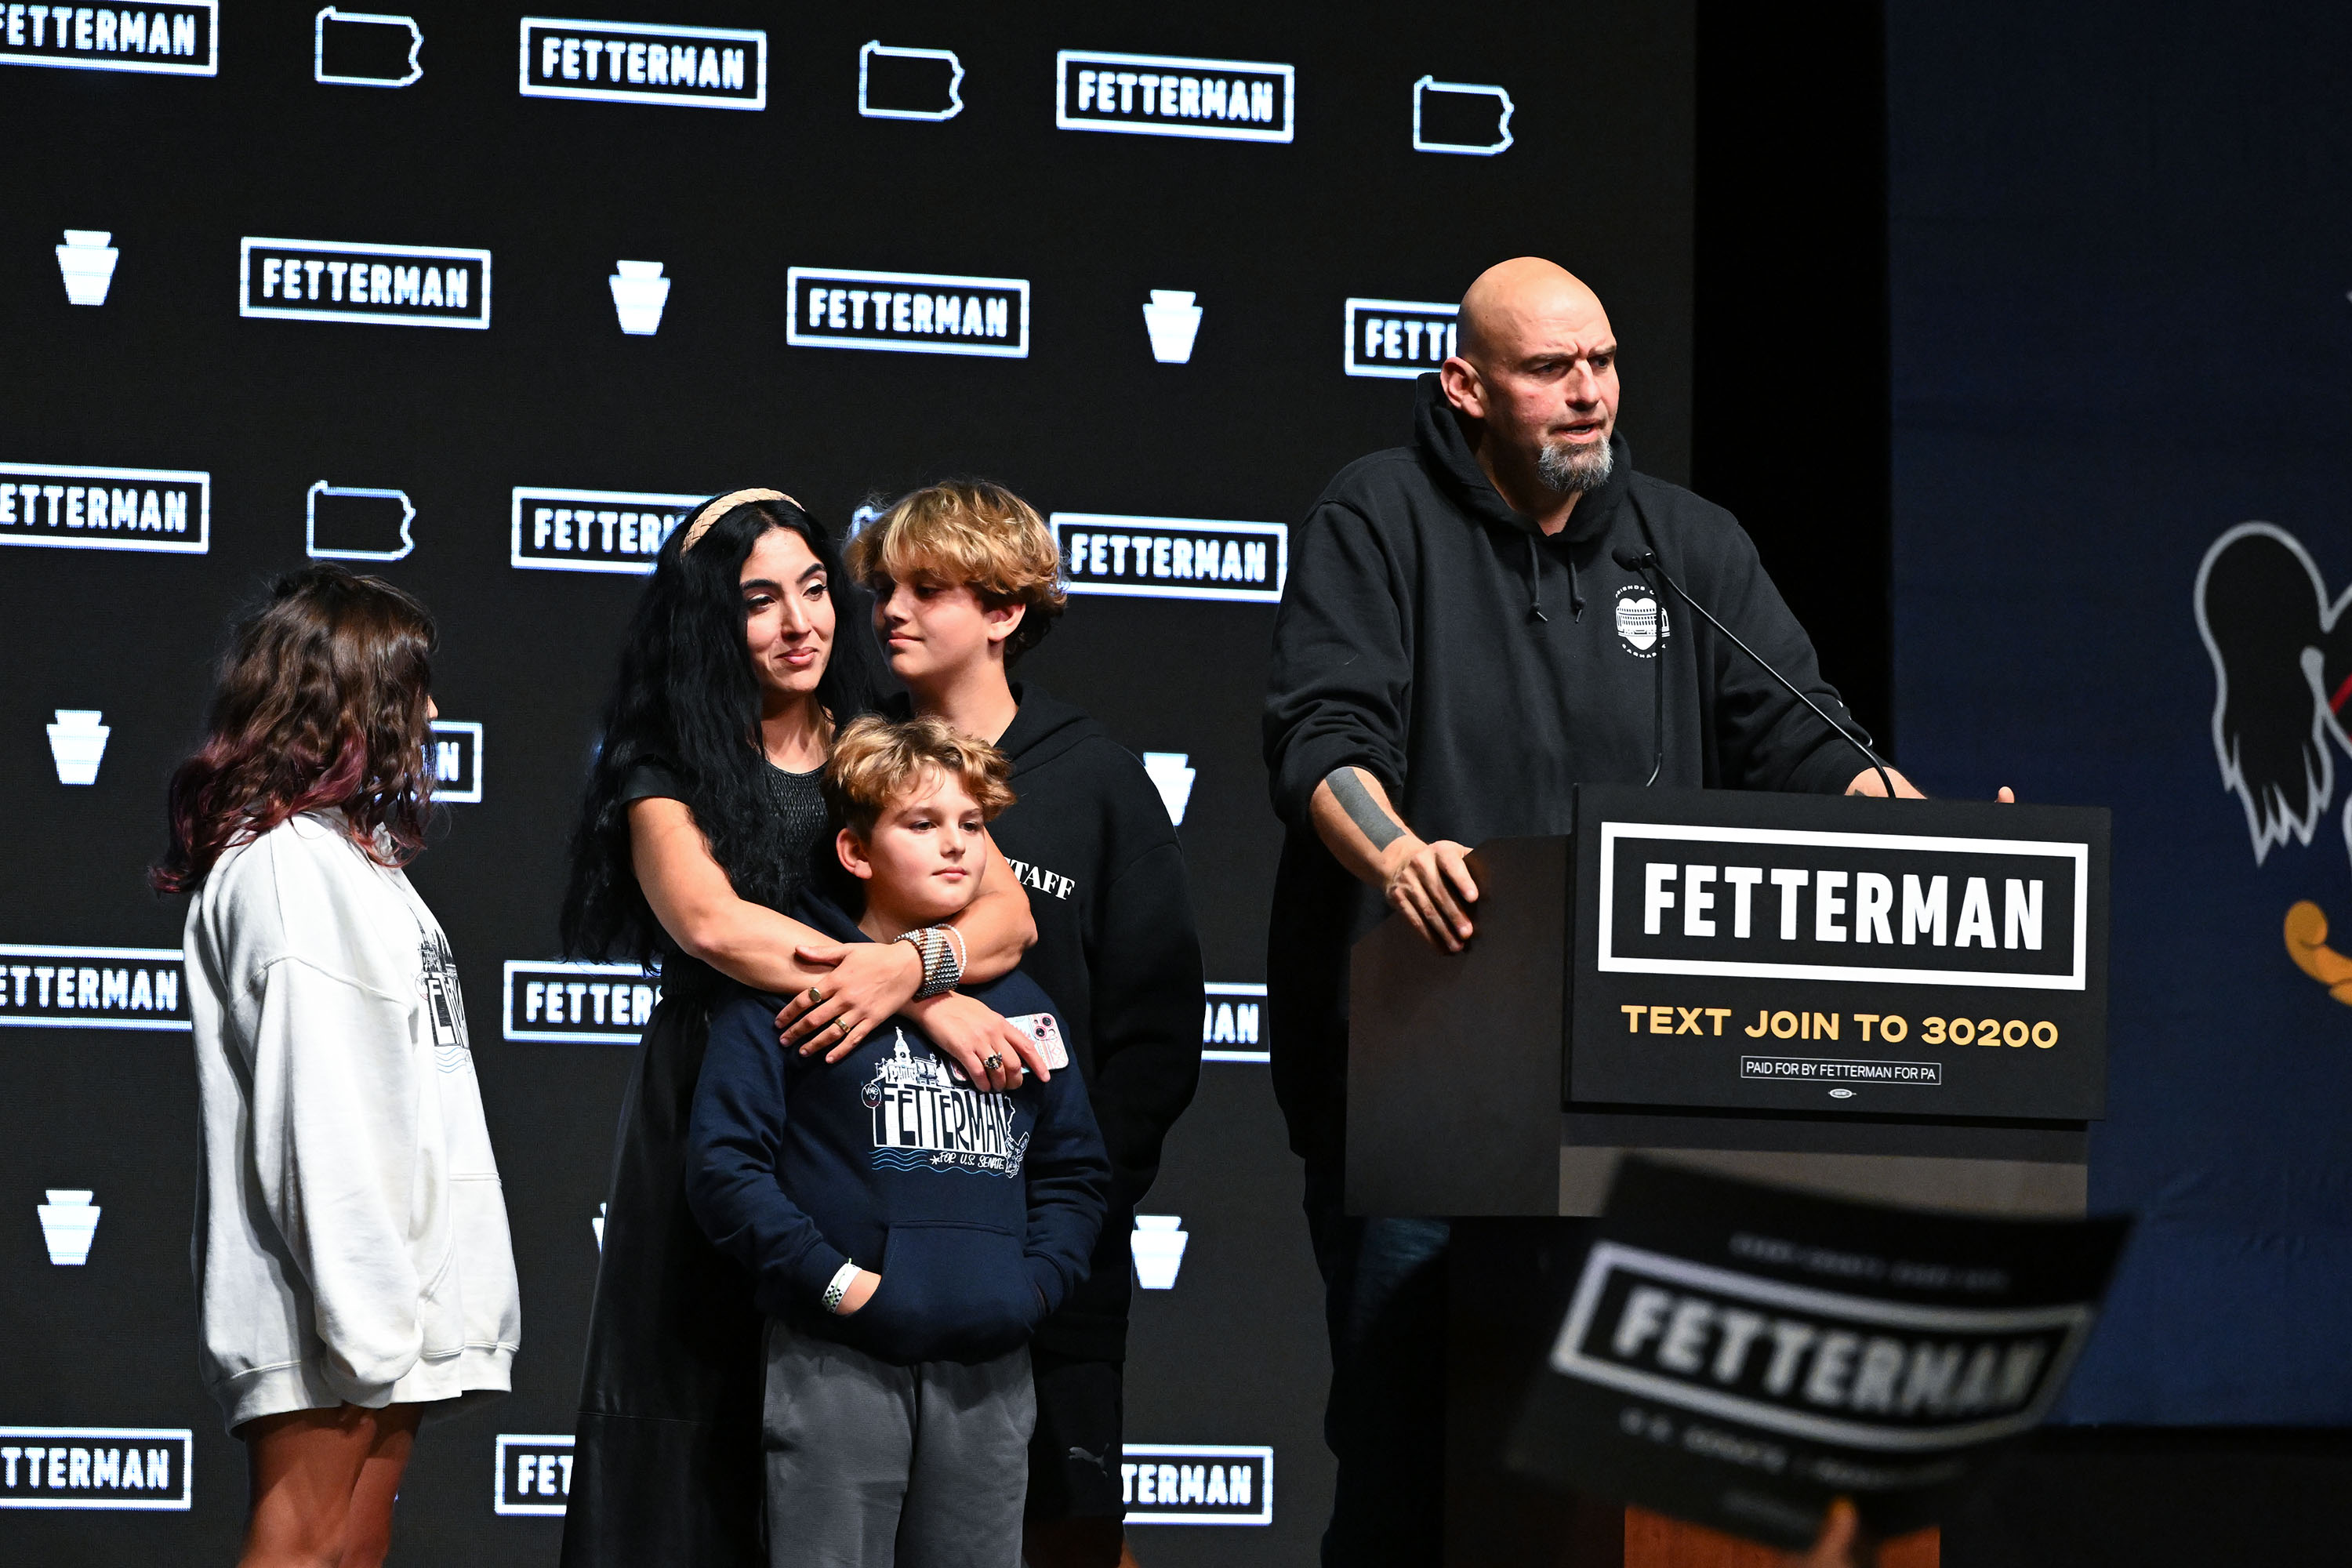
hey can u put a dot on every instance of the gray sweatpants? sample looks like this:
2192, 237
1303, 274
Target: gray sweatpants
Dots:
872, 1465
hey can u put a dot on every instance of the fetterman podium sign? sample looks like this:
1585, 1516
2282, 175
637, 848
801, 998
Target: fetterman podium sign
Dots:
1921, 958
1900, 999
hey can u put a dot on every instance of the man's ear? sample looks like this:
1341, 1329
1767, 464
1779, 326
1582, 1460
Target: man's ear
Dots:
853, 858
1459, 380
1002, 620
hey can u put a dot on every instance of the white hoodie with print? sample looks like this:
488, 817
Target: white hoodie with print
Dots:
351, 1241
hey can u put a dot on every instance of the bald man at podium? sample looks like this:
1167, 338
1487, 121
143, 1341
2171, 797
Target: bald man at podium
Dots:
1474, 625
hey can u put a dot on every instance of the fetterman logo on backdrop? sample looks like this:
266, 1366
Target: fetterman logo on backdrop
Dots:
593, 531
907, 312
1172, 557
387, 284
177, 38
455, 760
1230, 1030
1399, 339
2282, 655
1167, 95
534, 1474
591, 1004
91, 987
640, 62
168, 510
1197, 1483
139, 1469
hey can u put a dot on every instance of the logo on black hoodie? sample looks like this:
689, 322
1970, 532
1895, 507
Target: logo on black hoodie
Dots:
1641, 620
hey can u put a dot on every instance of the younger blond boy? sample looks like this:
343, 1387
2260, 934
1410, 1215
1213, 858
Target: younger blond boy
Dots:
905, 1231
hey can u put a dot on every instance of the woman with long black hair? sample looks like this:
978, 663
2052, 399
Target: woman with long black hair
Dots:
703, 819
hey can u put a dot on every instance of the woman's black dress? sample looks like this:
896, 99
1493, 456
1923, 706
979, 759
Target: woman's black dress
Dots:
666, 1467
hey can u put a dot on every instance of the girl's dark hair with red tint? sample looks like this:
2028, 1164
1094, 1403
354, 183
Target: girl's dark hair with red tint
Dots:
321, 702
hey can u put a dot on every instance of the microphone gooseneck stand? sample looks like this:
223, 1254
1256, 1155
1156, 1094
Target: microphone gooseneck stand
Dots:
1646, 562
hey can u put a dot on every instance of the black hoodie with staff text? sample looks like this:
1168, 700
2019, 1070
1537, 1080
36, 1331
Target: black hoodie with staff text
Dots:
1118, 951
1480, 669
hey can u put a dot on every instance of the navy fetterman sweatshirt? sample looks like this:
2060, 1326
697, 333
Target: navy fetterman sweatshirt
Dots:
977, 1210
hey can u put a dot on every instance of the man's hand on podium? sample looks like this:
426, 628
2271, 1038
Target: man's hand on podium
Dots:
1431, 885
1866, 782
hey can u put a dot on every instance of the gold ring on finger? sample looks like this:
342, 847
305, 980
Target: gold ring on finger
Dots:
843, 1025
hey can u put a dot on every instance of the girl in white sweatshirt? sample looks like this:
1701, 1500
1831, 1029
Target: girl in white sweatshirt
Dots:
353, 1270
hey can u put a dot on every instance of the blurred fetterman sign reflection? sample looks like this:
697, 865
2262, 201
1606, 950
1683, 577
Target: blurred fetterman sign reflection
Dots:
1737, 1355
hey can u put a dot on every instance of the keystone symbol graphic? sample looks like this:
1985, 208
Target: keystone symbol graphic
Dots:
1173, 321
68, 1224
1158, 1244
1173, 779
77, 743
639, 293
86, 261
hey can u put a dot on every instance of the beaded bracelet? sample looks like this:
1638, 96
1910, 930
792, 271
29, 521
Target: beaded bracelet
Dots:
941, 967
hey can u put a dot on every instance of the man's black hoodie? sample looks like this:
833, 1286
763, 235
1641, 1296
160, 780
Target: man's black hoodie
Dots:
1479, 669
1118, 951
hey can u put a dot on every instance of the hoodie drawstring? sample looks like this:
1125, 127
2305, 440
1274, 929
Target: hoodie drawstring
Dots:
1535, 585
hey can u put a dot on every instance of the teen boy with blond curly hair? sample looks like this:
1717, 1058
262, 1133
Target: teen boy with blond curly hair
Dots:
966, 579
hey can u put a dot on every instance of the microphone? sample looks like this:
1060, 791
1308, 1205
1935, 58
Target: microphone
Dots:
1646, 562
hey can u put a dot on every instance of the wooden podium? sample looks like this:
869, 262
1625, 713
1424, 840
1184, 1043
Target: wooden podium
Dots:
1900, 1001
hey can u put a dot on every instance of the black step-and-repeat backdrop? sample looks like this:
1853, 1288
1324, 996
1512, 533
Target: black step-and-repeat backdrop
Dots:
484, 301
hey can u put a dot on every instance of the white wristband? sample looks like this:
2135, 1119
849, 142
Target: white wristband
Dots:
839, 1287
